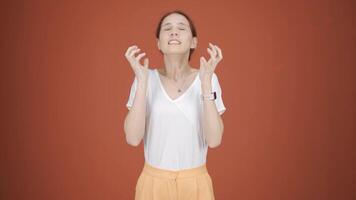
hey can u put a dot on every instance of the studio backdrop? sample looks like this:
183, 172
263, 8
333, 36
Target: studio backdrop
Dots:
287, 79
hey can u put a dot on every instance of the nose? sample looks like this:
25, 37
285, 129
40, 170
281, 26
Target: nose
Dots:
174, 33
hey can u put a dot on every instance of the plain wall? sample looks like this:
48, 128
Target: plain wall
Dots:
287, 76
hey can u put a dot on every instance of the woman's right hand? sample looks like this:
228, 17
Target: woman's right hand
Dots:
141, 71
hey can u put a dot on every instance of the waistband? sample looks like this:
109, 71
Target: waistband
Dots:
164, 173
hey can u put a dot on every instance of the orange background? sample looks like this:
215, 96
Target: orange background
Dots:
287, 78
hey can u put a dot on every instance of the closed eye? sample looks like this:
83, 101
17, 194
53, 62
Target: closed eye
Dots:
167, 29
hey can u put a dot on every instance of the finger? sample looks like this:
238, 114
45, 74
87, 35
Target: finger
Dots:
140, 56
212, 53
219, 52
133, 52
128, 51
212, 56
214, 49
205, 62
202, 63
145, 63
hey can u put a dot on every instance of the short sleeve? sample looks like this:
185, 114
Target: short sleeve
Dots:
132, 94
219, 101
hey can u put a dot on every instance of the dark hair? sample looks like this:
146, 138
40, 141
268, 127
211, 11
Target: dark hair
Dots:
191, 25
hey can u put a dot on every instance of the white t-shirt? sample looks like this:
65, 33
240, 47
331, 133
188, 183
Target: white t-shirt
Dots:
173, 138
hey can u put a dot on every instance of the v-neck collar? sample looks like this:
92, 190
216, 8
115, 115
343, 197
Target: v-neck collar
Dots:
180, 96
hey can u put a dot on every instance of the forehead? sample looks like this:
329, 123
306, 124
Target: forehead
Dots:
175, 19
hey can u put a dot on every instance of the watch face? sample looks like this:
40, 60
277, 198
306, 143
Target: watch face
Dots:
211, 96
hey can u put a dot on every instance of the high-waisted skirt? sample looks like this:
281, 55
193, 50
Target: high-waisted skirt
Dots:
161, 184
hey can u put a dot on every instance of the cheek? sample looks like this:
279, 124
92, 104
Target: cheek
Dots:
163, 37
187, 40
161, 40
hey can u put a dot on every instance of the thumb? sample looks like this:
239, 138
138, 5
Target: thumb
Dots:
145, 63
202, 62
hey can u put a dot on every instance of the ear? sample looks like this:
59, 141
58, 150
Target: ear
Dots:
158, 44
194, 43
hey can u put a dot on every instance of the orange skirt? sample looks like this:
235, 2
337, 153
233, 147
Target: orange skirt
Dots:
187, 184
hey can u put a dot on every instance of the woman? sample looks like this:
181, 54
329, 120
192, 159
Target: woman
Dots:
176, 111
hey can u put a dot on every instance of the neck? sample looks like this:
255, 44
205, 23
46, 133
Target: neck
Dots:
176, 66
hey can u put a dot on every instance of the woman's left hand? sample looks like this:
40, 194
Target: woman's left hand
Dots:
207, 68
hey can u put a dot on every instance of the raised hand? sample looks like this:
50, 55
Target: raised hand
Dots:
141, 71
207, 68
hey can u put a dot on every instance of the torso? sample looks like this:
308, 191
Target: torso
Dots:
171, 87
173, 138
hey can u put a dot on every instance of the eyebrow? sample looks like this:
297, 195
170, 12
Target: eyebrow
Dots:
168, 23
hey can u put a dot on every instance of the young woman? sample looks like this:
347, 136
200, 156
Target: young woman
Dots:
176, 111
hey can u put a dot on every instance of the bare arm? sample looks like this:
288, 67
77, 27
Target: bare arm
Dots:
134, 125
213, 125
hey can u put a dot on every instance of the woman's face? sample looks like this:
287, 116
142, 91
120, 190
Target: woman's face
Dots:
176, 36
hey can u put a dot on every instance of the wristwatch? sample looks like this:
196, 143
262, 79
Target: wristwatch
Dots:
211, 96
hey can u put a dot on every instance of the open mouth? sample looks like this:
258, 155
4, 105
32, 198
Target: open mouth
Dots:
174, 42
